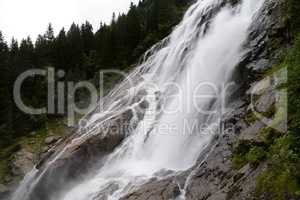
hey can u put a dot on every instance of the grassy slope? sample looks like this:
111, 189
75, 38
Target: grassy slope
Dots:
33, 143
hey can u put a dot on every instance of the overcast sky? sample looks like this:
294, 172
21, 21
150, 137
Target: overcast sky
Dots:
20, 18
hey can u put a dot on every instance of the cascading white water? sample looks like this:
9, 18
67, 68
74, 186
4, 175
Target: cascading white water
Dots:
199, 55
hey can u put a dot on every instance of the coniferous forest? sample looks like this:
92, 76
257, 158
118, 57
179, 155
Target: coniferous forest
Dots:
80, 52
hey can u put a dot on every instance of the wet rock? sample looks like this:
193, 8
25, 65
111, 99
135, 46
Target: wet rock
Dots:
157, 190
50, 140
164, 173
79, 157
45, 149
109, 190
216, 179
213, 177
144, 104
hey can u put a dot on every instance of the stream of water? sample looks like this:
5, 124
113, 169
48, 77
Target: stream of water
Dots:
179, 79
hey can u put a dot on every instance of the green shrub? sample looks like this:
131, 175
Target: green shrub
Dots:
256, 155
293, 10
239, 161
281, 179
247, 152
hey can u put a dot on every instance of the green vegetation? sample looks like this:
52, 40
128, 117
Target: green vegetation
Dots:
293, 64
33, 142
293, 17
280, 152
282, 178
81, 54
5, 158
255, 155
250, 118
248, 152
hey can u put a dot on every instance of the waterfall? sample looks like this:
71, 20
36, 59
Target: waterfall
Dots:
179, 90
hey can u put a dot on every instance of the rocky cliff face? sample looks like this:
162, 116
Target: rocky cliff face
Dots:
214, 177
70, 160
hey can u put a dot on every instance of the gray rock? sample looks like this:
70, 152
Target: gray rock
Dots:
4, 192
50, 140
45, 149
251, 133
157, 190
266, 100
22, 162
81, 158
109, 190
213, 177
163, 173
3, 189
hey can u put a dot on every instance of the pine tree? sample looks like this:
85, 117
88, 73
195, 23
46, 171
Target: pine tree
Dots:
60, 50
49, 35
75, 47
134, 29
88, 37
5, 101
80, 53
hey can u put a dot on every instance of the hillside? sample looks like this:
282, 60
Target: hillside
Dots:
254, 154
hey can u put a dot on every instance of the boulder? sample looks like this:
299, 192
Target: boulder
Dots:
3, 189
22, 162
156, 190
265, 102
50, 140
252, 132
79, 155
